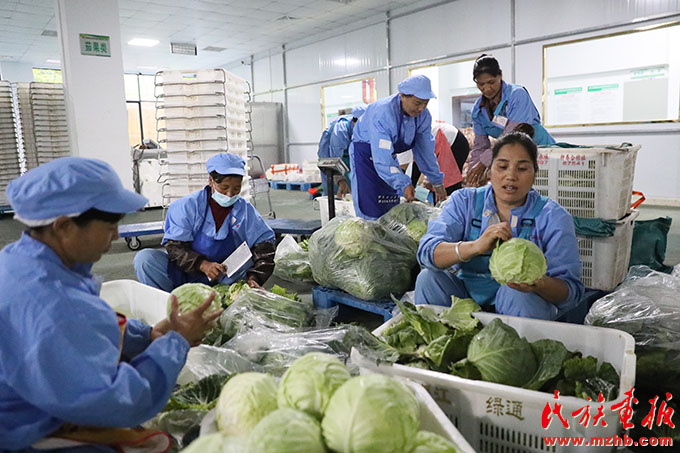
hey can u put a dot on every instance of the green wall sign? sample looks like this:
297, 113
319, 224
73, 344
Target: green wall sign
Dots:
96, 45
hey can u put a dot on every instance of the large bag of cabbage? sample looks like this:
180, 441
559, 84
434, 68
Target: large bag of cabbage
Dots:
363, 258
292, 260
410, 219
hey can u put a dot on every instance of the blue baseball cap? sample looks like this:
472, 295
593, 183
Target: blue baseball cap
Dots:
227, 164
358, 110
69, 186
417, 85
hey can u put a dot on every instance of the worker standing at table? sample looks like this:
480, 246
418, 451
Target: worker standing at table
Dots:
500, 108
390, 126
335, 142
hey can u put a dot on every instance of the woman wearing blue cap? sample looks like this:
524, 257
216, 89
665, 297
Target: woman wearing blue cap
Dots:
335, 142
65, 355
205, 228
499, 110
390, 126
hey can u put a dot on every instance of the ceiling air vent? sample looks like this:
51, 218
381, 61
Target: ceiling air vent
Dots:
51, 33
214, 49
183, 48
344, 2
286, 18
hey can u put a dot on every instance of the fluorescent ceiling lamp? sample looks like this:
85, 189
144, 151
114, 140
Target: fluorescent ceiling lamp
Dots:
143, 42
54, 61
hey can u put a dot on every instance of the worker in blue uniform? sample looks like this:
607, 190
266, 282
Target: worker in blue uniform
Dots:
206, 227
455, 250
500, 108
390, 126
60, 343
335, 142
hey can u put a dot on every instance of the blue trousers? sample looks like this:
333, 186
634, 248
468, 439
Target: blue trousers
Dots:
437, 287
151, 268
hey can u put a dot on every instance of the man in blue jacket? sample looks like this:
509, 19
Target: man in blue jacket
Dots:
390, 126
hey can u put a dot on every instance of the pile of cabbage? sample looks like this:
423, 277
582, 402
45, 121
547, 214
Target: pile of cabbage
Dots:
292, 260
409, 220
318, 407
517, 261
453, 341
363, 258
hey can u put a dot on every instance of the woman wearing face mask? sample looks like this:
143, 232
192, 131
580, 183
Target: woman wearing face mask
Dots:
206, 227
455, 250
500, 108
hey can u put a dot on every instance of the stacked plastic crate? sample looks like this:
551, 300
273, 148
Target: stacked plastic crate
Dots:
9, 155
26, 121
50, 130
594, 183
198, 114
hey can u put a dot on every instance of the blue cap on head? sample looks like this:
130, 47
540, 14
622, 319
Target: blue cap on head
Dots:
227, 164
417, 85
68, 187
358, 110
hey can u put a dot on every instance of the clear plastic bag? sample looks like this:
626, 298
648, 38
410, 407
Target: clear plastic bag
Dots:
292, 261
363, 258
410, 219
647, 306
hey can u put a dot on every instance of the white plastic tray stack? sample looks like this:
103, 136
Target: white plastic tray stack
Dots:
199, 114
26, 120
50, 129
9, 155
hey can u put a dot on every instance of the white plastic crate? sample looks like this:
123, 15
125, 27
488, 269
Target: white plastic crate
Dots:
194, 123
588, 182
216, 88
203, 145
190, 76
195, 100
136, 300
500, 418
186, 168
185, 156
605, 259
343, 208
195, 134
432, 419
189, 112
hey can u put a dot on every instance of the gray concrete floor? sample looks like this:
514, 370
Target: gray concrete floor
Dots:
117, 263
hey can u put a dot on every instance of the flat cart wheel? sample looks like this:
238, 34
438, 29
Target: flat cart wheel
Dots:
133, 243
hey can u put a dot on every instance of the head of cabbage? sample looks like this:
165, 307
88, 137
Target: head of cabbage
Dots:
310, 381
286, 430
245, 400
373, 413
517, 261
191, 295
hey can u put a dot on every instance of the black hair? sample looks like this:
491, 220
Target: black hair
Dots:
219, 177
517, 138
525, 128
486, 64
88, 216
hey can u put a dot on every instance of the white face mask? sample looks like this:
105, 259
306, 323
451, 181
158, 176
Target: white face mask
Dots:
224, 200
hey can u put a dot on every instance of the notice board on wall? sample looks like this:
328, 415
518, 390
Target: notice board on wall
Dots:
628, 77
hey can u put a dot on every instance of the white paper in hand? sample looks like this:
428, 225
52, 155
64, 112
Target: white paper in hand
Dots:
238, 258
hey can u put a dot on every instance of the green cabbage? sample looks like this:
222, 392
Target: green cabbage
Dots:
216, 443
427, 442
191, 295
354, 237
229, 293
310, 381
371, 413
517, 261
286, 431
409, 219
245, 400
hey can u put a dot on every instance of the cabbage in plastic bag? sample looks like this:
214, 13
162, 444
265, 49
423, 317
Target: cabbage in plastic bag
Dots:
409, 219
362, 258
292, 261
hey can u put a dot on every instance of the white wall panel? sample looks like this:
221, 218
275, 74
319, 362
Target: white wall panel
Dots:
262, 75
242, 71
382, 84
304, 114
301, 153
356, 52
277, 71
535, 18
451, 28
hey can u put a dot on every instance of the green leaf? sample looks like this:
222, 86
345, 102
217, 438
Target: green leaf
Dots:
424, 320
448, 349
459, 315
201, 395
580, 368
550, 355
465, 369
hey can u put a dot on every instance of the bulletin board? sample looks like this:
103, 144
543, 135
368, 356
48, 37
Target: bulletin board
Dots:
345, 95
622, 78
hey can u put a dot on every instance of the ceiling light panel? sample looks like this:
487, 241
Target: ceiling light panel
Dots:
143, 42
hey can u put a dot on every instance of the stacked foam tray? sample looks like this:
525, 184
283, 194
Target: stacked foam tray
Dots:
9, 155
43, 122
199, 114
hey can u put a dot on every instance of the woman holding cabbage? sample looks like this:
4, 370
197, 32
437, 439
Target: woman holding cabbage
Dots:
455, 251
